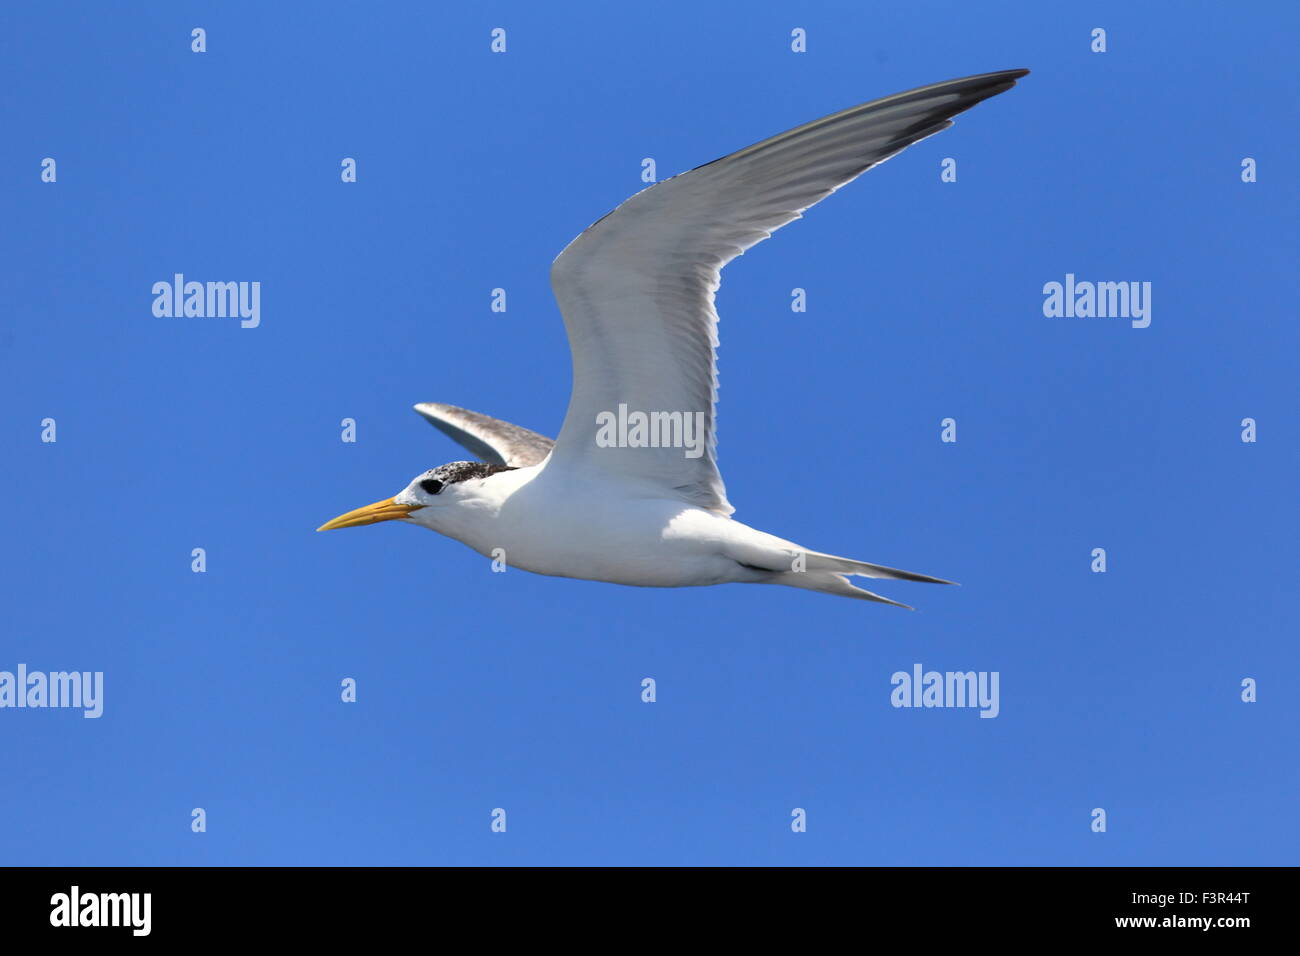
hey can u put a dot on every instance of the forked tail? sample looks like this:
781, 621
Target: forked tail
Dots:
828, 582
791, 566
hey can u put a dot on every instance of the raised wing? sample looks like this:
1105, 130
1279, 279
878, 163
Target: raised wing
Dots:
637, 287
490, 439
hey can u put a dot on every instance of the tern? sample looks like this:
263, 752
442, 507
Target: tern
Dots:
630, 492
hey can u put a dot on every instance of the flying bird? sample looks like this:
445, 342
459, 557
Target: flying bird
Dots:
630, 492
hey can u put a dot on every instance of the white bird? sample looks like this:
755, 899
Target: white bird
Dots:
630, 492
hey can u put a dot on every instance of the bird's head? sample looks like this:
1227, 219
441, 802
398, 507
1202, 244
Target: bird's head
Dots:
428, 499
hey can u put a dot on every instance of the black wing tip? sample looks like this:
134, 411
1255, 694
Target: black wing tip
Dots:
975, 88
997, 76
926, 579
991, 84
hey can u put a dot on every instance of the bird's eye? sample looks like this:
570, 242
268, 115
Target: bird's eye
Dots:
431, 485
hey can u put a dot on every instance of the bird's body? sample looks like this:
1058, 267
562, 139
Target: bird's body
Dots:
630, 492
552, 525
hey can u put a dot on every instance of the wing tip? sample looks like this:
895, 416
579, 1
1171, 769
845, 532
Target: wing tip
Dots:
997, 76
433, 409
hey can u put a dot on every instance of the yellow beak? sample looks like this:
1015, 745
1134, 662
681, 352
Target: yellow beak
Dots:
385, 510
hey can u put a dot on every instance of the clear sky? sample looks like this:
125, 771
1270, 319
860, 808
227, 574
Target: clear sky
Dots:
1118, 690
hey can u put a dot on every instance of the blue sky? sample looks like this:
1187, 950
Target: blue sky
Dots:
477, 690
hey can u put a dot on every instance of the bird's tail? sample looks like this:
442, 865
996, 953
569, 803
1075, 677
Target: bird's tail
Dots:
828, 582
816, 561
773, 560
829, 574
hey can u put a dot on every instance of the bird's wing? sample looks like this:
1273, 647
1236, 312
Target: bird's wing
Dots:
490, 439
637, 287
